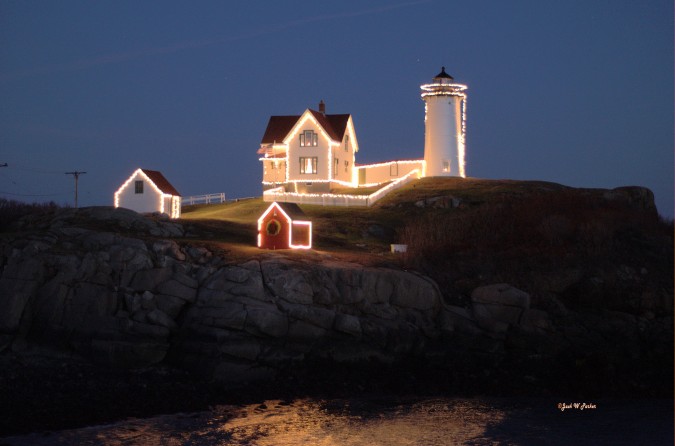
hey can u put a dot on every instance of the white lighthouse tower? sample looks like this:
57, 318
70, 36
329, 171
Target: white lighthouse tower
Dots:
444, 126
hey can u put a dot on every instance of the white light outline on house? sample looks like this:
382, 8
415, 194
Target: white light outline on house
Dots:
296, 128
161, 193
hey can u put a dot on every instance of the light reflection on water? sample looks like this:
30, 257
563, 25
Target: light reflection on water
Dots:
386, 421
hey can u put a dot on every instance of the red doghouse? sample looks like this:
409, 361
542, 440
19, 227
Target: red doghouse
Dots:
284, 226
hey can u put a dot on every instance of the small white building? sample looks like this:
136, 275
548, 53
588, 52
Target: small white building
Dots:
148, 191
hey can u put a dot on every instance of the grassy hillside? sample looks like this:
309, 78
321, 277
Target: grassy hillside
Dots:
456, 204
463, 232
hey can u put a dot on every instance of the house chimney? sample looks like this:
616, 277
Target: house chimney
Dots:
322, 107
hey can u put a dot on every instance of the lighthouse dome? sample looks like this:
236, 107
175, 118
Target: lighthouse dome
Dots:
443, 77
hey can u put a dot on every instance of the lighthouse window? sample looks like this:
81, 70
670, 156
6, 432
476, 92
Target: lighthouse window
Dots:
309, 138
446, 166
308, 164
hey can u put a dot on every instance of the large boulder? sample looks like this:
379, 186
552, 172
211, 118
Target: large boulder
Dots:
498, 306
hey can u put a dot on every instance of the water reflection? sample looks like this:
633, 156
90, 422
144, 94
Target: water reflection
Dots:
385, 421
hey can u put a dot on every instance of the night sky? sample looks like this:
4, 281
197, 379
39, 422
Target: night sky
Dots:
574, 92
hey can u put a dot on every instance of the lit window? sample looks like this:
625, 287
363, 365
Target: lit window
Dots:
308, 164
309, 138
446, 166
139, 187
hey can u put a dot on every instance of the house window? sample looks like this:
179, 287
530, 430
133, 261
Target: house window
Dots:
308, 164
346, 166
139, 187
309, 138
337, 166
347, 143
446, 166
393, 170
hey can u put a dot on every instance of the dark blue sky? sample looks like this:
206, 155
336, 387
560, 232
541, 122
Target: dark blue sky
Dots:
575, 92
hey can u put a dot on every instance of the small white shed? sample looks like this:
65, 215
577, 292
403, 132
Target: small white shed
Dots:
148, 191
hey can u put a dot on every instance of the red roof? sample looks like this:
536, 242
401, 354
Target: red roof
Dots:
161, 182
278, 127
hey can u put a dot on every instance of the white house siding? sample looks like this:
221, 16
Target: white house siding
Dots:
149, 201
346, 152
295, 152
272, 174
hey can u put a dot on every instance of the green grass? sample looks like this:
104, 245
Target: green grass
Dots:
243, 211
360, 228
363, 229
470, 190
334, 227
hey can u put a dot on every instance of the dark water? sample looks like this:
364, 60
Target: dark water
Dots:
389, 421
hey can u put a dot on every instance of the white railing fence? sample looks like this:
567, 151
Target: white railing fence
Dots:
205, 199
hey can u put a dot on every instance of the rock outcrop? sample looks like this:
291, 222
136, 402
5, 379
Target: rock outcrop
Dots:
132, 301
136, 300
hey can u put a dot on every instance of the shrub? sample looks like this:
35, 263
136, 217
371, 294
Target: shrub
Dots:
11, 211
549, 225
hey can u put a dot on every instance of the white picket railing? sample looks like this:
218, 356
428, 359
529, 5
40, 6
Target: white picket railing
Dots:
205, 199
279, 194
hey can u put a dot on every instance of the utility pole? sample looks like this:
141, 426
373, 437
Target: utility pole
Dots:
75, 174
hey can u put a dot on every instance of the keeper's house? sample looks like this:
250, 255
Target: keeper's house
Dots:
315, 153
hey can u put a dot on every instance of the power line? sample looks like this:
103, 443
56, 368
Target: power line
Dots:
76, 175
33, 170
32, 195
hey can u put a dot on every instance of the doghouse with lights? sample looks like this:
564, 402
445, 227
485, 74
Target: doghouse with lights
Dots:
284, 226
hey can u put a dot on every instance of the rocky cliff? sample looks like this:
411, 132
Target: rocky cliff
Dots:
121, 289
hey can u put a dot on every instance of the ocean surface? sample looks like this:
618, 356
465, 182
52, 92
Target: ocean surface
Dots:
388, 421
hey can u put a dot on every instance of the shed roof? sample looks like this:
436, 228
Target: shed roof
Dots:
160, 181
293, 210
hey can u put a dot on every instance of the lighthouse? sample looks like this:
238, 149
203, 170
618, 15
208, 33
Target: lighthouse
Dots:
444, 126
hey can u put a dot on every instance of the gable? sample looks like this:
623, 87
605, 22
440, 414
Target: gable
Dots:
280, 127
269, 210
